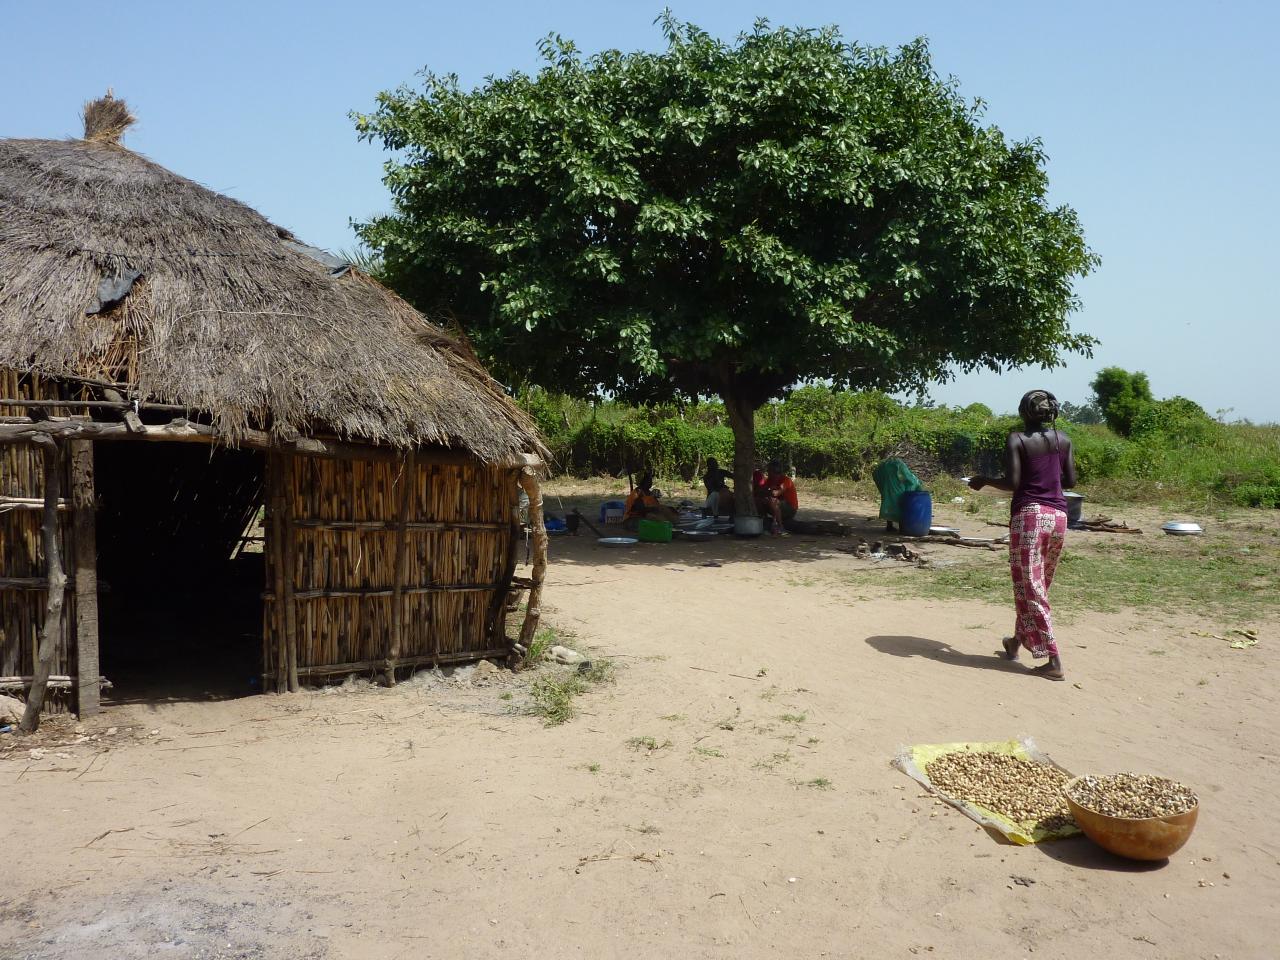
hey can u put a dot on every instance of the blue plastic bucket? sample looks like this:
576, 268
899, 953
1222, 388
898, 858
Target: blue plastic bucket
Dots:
916, 508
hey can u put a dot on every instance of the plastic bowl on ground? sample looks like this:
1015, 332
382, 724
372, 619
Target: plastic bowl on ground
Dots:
1137, 838
700, 535
617, 541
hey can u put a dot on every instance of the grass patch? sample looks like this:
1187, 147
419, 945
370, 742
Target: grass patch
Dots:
793, 717
707, 752
647, 828
728, 723
817, 783
647, 744
1206, 575
593, 768
601, 671
551, 695
505, 696
674, 717
542, 641
770, 762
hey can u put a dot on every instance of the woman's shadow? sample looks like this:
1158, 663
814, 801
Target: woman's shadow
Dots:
942, 653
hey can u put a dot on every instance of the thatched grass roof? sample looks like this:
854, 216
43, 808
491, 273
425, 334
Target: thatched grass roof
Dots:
228, 314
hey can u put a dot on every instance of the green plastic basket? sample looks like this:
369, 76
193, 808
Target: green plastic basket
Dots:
654, 531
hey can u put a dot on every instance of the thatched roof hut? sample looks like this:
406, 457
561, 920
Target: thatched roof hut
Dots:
237, 317
138, 305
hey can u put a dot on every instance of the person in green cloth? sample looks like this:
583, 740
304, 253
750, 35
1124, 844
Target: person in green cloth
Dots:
894, 478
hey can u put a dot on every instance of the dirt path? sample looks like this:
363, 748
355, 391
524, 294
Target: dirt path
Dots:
429, 821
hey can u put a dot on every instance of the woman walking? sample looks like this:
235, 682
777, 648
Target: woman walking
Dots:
1038, 465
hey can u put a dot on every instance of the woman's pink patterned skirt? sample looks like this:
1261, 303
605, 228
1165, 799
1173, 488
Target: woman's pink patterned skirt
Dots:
1036, 535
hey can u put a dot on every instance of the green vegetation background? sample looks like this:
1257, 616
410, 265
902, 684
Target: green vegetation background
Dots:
1174, 449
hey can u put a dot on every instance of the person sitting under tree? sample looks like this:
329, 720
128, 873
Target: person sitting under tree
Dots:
777, 498
719, 494
643, 504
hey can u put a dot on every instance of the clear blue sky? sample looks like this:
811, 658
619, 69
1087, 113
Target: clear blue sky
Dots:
1160, 120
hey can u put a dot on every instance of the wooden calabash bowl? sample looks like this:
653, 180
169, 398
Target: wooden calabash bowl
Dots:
1138, 838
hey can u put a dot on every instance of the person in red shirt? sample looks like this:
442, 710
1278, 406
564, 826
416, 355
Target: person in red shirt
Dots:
777, 498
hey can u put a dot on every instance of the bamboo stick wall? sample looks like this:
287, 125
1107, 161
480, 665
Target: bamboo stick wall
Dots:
22, 552
389, 561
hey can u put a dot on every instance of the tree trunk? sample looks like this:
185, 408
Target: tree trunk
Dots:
742, 418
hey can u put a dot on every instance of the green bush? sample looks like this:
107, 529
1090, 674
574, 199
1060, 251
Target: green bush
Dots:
1175, 447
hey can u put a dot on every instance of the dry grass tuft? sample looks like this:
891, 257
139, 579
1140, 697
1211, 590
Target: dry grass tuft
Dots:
106, 119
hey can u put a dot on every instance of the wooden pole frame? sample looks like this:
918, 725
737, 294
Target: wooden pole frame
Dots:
533, 611
57, 582
281, 576
85, 566
187, 431
408, 489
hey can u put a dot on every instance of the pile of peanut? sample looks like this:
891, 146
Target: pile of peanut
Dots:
1133, 795
1028, 793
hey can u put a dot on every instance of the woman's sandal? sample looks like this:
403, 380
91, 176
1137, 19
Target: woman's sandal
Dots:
1048, 671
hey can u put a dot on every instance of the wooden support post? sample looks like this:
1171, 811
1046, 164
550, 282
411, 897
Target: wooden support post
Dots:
57, 580
498, 604
395, 642
290, 574
85, 565
282, 576
131, 419
529, 481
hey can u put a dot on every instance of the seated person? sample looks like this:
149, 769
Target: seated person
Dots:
777, 498
719, 495
643, 504
894, 478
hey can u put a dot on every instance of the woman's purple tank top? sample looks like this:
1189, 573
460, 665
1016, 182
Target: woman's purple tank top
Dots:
1041, 481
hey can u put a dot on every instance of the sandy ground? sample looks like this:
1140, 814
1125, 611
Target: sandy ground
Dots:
430, 820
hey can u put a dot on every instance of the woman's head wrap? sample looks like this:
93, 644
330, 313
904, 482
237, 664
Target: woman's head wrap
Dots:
1038, 407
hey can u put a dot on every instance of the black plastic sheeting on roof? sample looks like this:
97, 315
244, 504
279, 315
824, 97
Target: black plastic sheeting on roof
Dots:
111, 290
337, 266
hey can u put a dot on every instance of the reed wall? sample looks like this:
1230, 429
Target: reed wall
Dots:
22, 554
389, 564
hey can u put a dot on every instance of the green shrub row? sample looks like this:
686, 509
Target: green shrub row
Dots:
833, 433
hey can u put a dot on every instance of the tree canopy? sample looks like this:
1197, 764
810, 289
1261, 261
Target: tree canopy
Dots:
725, 218
1121, 396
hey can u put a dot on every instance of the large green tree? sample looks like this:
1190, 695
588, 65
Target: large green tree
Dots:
725, 219
1122, 397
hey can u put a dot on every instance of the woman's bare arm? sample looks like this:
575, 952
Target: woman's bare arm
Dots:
1012, 469
1068, 465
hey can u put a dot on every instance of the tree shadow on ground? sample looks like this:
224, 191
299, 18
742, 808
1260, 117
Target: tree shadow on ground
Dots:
943, 653
724, 549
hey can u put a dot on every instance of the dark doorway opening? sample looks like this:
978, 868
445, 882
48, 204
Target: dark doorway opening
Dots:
180, 590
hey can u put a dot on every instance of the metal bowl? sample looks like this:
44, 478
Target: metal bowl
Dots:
617, 541
700, 535
943, 532
1182, 528
1148, 838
